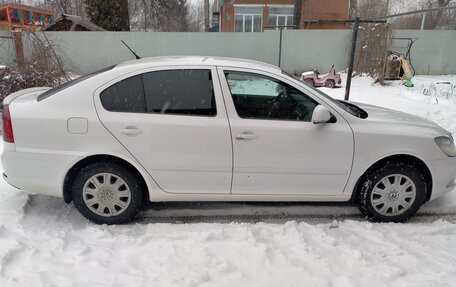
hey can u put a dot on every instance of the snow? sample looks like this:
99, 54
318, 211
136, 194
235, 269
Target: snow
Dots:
308, 73
44, 242
428, 98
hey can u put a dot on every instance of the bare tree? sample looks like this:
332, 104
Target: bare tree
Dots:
354, 9
206, 15
74, 7
196, 16
441, 19
159, 15
370, 9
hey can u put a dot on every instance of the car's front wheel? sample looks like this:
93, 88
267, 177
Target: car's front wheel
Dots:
107, 193
392, 193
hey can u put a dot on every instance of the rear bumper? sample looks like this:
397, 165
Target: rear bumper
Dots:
36, 172
443, 176
5, 177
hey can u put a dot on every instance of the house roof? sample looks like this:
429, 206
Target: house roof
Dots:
78, 21
25, 7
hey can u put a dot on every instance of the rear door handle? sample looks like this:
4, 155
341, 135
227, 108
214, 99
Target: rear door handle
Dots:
246, 136
130, 131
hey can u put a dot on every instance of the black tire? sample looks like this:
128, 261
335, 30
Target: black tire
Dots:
133, 183
373, 178
310, 82
330, 84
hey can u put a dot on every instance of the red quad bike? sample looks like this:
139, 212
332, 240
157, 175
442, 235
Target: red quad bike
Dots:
329, 80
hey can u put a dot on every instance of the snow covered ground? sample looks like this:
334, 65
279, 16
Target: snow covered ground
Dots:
46, 243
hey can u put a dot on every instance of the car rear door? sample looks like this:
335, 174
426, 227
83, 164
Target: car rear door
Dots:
277, 149
173, 121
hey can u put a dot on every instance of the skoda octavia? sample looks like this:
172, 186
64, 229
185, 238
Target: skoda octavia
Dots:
217, 129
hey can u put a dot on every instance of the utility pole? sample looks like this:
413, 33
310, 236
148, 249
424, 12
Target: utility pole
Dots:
206, 15
354, 11
387, 7
352, 59
145, 15
297, 13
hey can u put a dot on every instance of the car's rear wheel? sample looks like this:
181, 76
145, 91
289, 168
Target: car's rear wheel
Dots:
107, 193
309, 82
330, 84
392, 193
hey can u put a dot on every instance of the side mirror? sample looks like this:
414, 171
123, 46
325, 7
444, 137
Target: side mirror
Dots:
321, 115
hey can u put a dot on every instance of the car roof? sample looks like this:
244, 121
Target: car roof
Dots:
200, 61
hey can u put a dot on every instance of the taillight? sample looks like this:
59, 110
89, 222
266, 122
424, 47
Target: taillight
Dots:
7, 126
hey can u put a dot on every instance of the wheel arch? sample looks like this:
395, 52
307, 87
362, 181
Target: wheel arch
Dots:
68, 180
404, 158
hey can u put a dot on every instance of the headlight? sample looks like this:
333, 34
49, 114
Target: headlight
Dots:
446, 144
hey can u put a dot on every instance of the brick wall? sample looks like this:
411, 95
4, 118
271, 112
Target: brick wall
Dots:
311, 10
324, 10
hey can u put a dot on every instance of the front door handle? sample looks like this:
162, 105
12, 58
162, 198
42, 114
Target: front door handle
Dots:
130, 131
246, 136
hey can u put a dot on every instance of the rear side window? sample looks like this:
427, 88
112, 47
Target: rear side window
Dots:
125, 96
182, 92
179, 92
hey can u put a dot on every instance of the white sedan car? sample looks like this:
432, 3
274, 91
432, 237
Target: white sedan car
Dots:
217, 129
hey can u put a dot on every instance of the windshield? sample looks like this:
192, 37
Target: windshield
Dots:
348, 107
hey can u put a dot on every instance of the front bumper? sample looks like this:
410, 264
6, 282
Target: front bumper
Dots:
443, 176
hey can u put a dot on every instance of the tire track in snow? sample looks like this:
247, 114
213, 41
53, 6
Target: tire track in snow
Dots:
278, 218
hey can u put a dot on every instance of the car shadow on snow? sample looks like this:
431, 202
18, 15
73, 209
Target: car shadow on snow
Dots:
43, 210
251, 212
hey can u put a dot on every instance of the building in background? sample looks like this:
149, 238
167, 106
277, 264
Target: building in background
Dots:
21, 17
66, 22
256, 16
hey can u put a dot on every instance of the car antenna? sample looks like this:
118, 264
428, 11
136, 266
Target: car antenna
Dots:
136, 55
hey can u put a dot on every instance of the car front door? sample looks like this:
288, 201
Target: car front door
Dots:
174, 122
277, 149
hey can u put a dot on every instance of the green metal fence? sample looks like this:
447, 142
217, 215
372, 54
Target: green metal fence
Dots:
432, 53
7, 52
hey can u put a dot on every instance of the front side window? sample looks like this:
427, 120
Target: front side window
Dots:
179, 92
260, 97
281, 16
248, 19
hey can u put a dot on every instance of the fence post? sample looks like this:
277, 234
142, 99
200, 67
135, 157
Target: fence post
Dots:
352, 59
19, 47
423, 20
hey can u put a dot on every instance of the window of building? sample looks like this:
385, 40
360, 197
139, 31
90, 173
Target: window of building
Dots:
184, 92
15, 15
248, 19
260, 97
3, 16
280, 16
